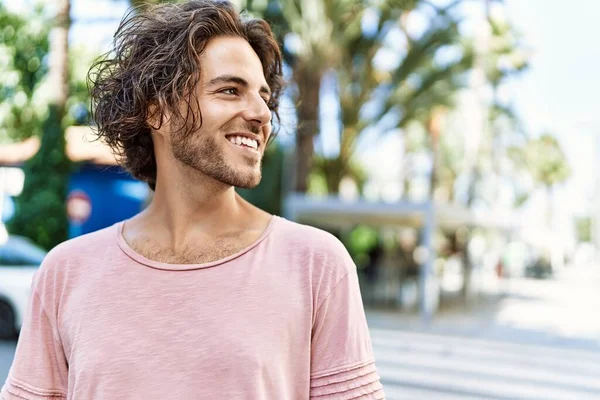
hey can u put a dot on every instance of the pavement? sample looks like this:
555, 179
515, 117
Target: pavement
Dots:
536, 340
558, 312
415, 366
7, 353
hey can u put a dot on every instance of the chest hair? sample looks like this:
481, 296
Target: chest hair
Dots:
197, 253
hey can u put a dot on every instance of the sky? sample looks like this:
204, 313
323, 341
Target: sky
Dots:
557, 94
560, 91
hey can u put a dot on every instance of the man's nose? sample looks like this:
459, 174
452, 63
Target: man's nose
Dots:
257, 111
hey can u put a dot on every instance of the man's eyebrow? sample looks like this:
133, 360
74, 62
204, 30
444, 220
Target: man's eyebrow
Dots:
237, 80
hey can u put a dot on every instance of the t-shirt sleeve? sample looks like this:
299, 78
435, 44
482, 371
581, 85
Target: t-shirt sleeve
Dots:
342, 362
39, 370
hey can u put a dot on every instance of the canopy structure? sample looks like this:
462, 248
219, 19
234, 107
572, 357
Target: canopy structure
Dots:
81, 146
333, 212
336, 213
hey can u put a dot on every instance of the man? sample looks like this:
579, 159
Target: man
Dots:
201, 295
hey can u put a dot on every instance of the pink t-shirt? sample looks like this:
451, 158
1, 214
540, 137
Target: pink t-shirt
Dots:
282, 319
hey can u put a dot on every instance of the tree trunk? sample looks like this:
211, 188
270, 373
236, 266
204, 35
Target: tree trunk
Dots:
58, 58
309, 87
434, 127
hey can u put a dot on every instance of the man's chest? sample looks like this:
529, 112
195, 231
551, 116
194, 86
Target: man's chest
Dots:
192, 329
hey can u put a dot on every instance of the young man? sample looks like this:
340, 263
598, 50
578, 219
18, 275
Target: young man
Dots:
201, 295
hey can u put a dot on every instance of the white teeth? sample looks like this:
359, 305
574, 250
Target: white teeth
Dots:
239, 140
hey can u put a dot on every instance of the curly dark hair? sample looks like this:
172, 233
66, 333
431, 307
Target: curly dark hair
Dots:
154, 68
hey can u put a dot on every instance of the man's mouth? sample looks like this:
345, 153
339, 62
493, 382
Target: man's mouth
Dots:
243, 141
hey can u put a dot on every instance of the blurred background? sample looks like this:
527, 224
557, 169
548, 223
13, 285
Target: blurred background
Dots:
450, 145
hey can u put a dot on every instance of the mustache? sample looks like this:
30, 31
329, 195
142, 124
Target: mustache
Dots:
252, 128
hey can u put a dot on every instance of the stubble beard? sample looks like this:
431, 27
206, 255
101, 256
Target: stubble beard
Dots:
202, 153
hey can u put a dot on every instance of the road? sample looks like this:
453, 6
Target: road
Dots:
427, 366
7, 352
539, 341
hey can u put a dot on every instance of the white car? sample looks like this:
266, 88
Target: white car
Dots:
19, 260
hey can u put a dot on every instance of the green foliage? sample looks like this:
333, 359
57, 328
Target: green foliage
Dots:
330, 35
41, 207
78, 102
41, 210
543, 159
583, 227
507, 55
546, 160
333, 170
361, 239
23, 51
421, 83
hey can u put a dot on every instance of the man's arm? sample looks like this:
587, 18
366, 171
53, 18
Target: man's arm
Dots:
39, 370
342, 362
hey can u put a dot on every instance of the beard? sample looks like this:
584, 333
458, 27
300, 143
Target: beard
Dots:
202, 153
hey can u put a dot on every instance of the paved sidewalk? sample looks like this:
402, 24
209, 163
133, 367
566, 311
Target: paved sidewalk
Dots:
559, 312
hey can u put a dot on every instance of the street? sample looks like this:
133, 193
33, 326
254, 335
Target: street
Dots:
424, 366
540, 341
7, 352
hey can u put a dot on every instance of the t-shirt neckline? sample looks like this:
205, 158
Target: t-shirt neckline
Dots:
139, 258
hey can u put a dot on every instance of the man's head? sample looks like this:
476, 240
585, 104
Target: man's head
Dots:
200, 78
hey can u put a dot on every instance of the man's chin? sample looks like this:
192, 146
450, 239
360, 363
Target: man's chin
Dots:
249, 183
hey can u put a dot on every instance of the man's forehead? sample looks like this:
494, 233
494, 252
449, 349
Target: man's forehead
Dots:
231, 56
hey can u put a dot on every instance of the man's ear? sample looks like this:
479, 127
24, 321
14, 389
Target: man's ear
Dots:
154, 118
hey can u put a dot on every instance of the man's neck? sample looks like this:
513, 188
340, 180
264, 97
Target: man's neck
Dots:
189, 207
177, 231
182, 205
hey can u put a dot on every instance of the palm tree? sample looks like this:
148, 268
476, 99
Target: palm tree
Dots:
309, 32
544, 159
506, 56
329, 35
425, 90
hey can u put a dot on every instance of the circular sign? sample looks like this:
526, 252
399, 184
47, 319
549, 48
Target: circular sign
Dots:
79, 206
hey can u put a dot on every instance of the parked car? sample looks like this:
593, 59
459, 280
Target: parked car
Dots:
539, 268
19, 260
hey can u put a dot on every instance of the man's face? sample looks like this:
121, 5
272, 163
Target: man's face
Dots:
236, 122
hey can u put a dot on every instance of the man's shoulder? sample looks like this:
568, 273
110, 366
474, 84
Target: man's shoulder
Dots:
84, 244
313, 243
73, 251
309, 237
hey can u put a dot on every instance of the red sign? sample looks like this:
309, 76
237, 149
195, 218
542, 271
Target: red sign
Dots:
79, 206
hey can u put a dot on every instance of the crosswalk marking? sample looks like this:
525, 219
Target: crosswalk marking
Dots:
425, 366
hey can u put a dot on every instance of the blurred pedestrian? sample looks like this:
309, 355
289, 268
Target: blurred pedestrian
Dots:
201, 295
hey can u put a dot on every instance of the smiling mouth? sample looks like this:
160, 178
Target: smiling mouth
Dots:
243, 142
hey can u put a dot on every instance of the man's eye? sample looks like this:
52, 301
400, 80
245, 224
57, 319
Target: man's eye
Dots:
229, 91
